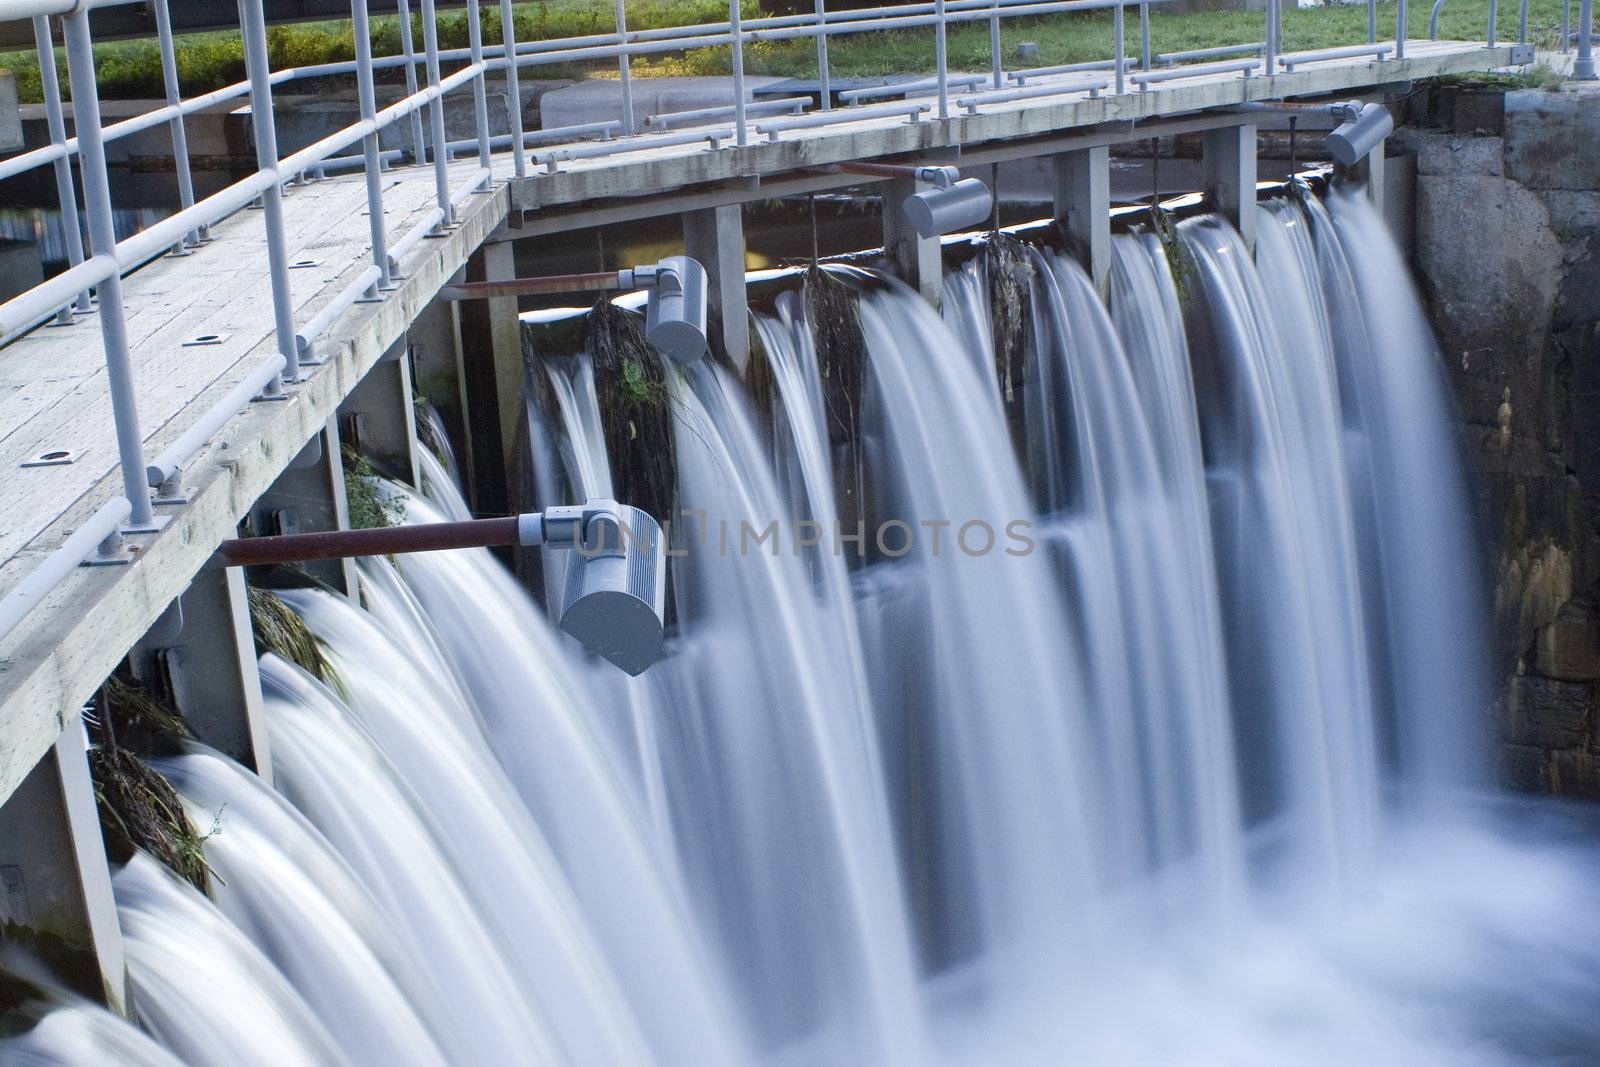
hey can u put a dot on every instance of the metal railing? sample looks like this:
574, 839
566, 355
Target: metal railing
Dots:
98, 265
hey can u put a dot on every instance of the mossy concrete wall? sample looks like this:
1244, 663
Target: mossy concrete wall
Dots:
1508, 256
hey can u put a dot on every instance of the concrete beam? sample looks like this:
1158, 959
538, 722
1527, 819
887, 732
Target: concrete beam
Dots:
915, 259
309, 497
715, 237
491, 365
55, 885
212, 668
379, 417
1228, 176
1082, 196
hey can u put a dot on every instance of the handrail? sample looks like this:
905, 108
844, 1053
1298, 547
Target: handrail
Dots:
43, 579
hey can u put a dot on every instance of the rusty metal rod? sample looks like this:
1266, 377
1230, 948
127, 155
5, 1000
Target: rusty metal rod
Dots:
393, 540
559, 283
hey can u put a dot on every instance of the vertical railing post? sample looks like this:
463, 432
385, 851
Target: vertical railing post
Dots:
1269, 59
1522, 22
1583, 63
367, 94
480, 87
995, 65
263, 122
508, 42
822, 56
941, 59
408, 49
1400, 11
1118, 49
66, 188
441, 162
1494, 21
1144, 36
1566, 26
103, 242
1372, 21
623, 70
740, 129
180, 137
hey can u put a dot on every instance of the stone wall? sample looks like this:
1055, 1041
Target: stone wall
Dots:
1508, 256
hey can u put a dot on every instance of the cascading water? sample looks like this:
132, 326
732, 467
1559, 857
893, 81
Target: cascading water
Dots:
1132, 727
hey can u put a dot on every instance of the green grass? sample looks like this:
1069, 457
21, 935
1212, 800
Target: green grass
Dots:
208, 61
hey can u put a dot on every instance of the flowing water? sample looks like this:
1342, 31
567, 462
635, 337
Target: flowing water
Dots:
1126, 712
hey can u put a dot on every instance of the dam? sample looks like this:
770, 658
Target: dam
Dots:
1071, 635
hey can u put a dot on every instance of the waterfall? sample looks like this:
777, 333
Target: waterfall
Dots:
1114, 694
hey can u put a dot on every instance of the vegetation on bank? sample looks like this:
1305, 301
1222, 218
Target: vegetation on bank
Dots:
206, 61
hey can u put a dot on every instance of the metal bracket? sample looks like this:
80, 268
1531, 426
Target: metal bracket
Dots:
1521, 54
53, 457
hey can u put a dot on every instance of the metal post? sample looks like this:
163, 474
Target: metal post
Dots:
253, 24
1400, 30
480, 89
1583, 64
994, 51
103, 242
1119, 52
66, 189
408, 49
1566, 26
441, 166
1269, 57
180, 138
623, 71
1144, 36
740, 129
1494, 21
941, 60
1372, 21
822, 56
508, 39
369, 146
1522, 22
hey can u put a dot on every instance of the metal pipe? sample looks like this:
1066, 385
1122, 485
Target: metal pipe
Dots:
623, 73
1522, 22
1372, 21
508, 47
1118, 52
1245, 66
382, 541
103, 242
408, 52
996, 67
1583, 63
823, 82
1433, 24
180, 136
1093, 86
741, 129
306, 337
1021, 77
1270, 54
1494, 21
165, 468
480, 88
872, 92
40, 582
263, 122
441, 167
1291, 61
1566, 24
66, 189
668, 119
33, 306
1400, 13
804, 122
1167, 59
1144, 34
599, 282
941, 60
374, 166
